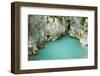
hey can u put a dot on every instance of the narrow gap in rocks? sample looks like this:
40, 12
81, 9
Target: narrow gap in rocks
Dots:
49, 29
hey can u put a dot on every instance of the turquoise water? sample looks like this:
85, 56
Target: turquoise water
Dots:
63, 48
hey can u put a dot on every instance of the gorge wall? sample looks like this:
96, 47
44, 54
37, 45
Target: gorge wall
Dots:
49, 28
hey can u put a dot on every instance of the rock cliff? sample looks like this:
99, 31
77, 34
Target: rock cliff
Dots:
79, 29
49, 28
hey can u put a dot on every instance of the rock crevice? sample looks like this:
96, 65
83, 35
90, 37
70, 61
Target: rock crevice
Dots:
50, 28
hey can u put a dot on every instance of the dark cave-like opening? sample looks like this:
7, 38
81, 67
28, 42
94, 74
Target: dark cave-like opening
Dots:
68, 21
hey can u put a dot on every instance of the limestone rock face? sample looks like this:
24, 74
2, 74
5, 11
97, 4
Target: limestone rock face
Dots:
54, 28
45, 28
78, 29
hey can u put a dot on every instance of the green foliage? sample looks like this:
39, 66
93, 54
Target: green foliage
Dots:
60, 18
82, 20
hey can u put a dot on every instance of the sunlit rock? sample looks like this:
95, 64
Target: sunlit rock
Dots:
50, 28
78, 30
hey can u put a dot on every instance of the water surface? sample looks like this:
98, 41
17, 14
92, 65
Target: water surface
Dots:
63, 48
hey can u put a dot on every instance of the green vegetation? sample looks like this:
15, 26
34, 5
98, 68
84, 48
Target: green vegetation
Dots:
82, 20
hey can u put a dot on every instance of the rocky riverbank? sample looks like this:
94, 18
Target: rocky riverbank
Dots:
49, 28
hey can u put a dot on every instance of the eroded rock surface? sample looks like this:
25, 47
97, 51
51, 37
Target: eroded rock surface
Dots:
45, 28
79, 30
